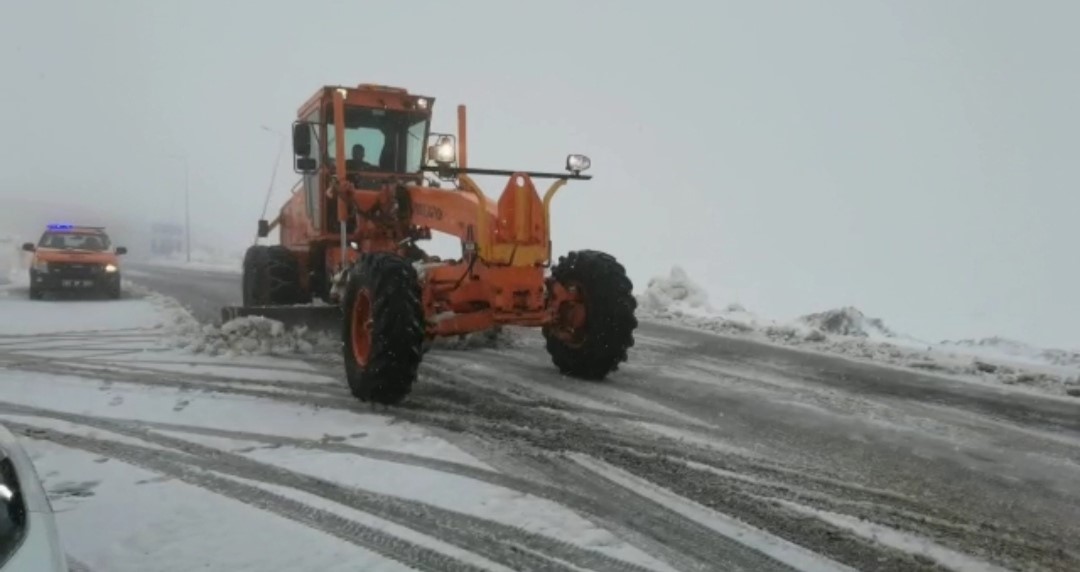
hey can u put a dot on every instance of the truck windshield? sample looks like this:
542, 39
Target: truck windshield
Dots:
74, 241
380, 140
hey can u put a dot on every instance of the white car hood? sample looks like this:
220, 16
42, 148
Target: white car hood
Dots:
40, 550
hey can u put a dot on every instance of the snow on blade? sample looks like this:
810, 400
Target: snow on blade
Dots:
244, 336
252, 335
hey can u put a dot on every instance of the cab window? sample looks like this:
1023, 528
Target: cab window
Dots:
392, 140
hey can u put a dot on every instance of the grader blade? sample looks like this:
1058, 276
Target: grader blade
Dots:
326, 319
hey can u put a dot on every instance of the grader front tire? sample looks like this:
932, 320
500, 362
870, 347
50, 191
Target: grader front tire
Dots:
596, 329
383, 333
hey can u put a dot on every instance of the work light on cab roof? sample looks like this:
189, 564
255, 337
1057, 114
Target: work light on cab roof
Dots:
373, 184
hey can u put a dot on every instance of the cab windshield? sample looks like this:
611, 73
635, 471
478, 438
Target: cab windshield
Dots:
380, 140
74, 241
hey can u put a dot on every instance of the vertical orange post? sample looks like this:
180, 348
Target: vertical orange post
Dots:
463, 138
339, 152
521, 211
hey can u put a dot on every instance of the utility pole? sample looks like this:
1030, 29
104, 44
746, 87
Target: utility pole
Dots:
187, 203
187, 209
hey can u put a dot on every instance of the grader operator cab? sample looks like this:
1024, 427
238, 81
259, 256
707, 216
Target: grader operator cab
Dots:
373, 182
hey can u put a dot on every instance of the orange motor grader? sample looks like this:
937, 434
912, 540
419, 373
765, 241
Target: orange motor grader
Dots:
374, 181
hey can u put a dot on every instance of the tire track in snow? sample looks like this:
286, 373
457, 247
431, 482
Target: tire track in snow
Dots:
445, 374
298, 393
392, 547
488, 415
666, 525
325, 395
881, 506
591, 502
442, 400
505, 544
273, 367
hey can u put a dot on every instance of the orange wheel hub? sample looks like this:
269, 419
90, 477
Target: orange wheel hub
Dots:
571, 316
361, 327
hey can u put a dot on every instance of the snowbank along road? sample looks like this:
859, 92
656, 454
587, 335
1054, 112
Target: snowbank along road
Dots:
703, 453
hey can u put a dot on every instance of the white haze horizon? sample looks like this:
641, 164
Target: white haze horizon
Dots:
908, 159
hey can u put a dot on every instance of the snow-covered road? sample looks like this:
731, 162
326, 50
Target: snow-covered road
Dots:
704, 453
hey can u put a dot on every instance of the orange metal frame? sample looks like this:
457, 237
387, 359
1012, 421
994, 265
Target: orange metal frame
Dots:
507, 247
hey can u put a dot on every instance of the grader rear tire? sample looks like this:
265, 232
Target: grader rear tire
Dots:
593, 335
383, 333
272, 277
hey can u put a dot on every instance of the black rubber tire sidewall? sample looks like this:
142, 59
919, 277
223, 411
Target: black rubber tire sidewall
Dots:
610, 309
272, 277
397, 329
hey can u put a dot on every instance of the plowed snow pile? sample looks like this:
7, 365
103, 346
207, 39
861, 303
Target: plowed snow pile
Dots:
253, 335
676, 299
679, 299
998, 347
256, 335
675, 293
848, 321
246, 336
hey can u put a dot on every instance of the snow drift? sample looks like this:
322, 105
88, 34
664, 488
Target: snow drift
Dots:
674, 293
847, 321
677, 299
996, 346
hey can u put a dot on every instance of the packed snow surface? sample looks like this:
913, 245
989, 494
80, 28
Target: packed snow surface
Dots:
677, 299
166, 447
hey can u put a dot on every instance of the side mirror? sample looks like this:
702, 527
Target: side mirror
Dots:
577, 163
306, 165
28, 246
301, 139
264, 228
121, 250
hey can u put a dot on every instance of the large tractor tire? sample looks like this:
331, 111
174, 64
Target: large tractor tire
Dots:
272, 277
383, 331
593, 332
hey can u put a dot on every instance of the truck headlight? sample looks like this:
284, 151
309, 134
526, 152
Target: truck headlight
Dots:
111, 268
41, 266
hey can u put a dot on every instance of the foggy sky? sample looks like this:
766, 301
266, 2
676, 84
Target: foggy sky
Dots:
915, 159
